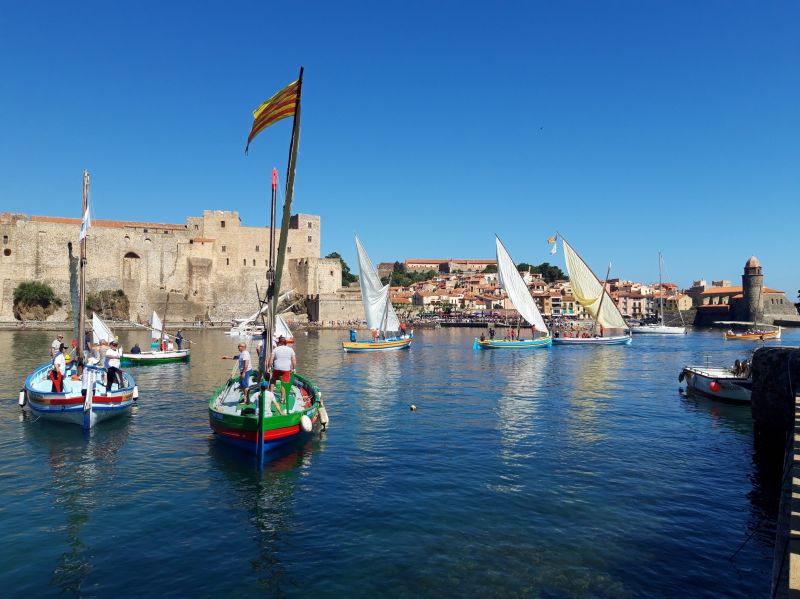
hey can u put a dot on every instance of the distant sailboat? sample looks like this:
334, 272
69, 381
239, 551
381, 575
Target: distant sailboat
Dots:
514, 285
659, 328
594, 298
157, 356
378, 309
282, 329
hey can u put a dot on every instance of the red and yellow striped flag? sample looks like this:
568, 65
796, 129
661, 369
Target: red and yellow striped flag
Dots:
278, 107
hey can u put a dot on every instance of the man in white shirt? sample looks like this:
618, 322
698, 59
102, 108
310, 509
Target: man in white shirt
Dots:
54, 346
113, 373
59, 369
283, 362
245, 369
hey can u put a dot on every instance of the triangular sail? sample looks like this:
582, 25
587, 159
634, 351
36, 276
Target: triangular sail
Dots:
514, 285
156, 326
100, 330
281, 328
377, 305
589, 291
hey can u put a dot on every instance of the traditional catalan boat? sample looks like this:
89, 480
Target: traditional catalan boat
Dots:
102, 401
275, 419
517, 290
750, 331
594, 298
157, 355
378, 310
659, 328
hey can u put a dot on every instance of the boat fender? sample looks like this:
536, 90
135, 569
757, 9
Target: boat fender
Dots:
306, 424
135, 392
714, 386
323, 416
681, 376
412, 407
23, 397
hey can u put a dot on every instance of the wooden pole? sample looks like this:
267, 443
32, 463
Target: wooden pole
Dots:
82, 276
602, 297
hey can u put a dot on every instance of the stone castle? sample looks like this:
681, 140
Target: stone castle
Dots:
209, 266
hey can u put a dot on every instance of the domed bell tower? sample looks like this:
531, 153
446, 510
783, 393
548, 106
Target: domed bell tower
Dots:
753, 290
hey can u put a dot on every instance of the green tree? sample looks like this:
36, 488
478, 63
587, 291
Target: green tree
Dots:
548, 271
347, 276
490, 268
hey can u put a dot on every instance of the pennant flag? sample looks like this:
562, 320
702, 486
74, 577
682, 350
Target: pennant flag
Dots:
551, 239
553, 249
278, 107
87, 222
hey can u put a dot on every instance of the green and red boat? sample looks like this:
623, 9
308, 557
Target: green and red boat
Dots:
292, 413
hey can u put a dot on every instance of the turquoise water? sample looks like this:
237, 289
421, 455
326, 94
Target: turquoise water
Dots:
568, 472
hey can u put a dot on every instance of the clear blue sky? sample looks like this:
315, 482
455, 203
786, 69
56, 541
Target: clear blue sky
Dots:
632, 127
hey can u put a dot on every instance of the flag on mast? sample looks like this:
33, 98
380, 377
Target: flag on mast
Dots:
552, 241
86, 223
280, 106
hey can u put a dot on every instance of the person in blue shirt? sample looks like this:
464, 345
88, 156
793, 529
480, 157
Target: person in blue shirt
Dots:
179, 340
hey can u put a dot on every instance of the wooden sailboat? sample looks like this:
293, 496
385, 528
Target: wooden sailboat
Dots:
750, 331
157, 355
270, 422
514, 285
378, 310
594, 298
659, 328
101, 401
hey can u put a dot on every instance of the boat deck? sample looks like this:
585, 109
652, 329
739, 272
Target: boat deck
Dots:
40, 382
231, 400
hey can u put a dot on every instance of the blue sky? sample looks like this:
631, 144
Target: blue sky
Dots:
632, 127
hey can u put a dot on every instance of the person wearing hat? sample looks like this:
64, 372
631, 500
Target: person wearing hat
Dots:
283, 362
113, 373
56, 344
245, 369
58, 370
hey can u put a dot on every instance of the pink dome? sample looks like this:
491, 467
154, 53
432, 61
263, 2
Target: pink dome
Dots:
753, 262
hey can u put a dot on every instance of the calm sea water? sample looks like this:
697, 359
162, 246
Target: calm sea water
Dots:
569, 472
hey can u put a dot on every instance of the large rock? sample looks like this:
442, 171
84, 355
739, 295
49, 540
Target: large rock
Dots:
776, 381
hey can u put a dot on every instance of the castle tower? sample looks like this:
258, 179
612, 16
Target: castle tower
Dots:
753, 290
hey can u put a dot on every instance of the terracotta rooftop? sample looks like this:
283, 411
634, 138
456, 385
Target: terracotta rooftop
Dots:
733, 290
111, 224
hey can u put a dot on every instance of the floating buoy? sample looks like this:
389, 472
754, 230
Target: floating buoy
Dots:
135, 392
305, 424
323, 416
714, 386
22, 397
413, 407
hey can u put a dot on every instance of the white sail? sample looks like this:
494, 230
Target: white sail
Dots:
590, 292
377, 305
100, 330
514, 285
156, 326
281, 328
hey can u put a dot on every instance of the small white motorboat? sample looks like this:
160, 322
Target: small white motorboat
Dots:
725, 384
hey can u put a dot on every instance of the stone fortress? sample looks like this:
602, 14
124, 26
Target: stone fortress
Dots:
209, 266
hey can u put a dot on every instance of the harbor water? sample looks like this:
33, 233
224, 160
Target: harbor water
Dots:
561, 472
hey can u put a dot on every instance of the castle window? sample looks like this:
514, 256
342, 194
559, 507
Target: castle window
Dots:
254, 261
266, 262
224, 249
309, 225
5, 239
331, 273
227, 261
258, 249
244, 262
289, 250
147, 240
191, 242
166, 232
196, 228
6, 252
309, 239
222, 224
144, 230
127, 238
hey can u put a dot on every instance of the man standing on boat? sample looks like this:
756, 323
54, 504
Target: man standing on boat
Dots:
55, 345
245, 369
113, 373
179, 340
283, 362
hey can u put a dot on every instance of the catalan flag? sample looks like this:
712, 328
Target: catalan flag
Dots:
551, 239
278, 107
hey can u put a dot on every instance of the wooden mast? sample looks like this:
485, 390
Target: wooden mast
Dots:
82, 277
602, 297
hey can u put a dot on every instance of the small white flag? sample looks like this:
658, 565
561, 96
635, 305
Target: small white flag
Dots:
553, 249
87, 222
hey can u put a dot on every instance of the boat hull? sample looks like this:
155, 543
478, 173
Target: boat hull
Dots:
753, 336
375, 346
159, 357
517, 344
68, 407
717, 383
619, 340
658, 330
241, 431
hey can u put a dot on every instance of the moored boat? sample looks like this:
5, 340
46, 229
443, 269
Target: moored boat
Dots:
659, 328
595, 340
753, 335
517, 290
146, 358
380, 314
725, 384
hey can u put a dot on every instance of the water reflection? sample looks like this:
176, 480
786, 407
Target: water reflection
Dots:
81, 465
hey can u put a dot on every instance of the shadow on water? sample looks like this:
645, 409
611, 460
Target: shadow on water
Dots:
81, 464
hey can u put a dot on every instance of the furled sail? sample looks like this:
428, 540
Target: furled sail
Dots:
281, 328
100, 331
589, 291
156, 326
514, 285
377, 305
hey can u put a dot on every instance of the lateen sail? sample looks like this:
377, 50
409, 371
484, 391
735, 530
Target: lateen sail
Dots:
589, 291
281, 328
514, 285
156, 326
100, 330
375, 296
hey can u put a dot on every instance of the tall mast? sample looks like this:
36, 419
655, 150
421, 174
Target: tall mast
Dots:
660, 292
82, 277
602, 297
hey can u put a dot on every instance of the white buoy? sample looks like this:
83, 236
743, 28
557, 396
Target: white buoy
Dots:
22, 398
305, 424
136, 392
323, 416
413, 407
